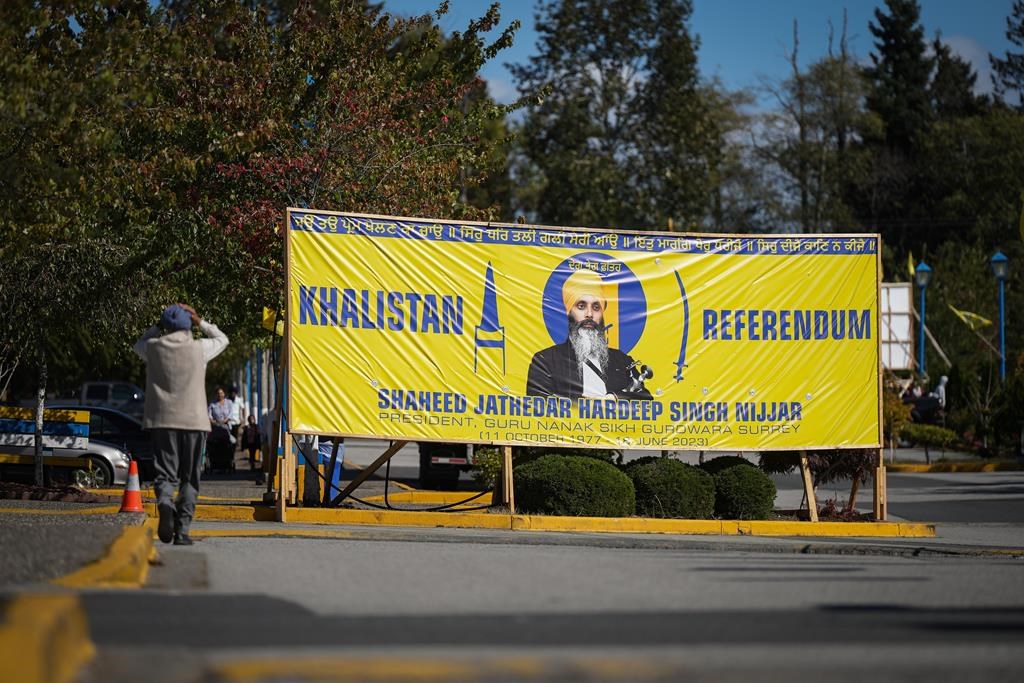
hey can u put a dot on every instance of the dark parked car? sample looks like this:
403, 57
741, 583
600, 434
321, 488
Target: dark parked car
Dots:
120, 429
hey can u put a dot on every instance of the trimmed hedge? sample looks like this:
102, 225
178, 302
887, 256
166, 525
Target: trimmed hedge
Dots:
643, 460
716, 465
744, 492
573, 485
668, 488
929, 436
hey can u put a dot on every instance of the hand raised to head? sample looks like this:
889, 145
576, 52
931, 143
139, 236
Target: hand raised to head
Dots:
196, 319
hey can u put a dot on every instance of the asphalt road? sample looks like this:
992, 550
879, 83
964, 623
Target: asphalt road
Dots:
255, 606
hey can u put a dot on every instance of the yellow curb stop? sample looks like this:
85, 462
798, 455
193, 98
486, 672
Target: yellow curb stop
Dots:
124, 565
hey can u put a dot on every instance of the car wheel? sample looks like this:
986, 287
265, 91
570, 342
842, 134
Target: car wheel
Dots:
102, 471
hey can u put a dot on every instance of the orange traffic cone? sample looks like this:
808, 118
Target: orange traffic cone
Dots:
132, 499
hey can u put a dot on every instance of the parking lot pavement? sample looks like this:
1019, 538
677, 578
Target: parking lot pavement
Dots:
49, 540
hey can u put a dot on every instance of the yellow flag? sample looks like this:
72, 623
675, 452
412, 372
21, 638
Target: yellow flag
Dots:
972, 320
910, 266
270, 321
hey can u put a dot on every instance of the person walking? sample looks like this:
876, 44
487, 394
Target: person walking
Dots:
175, 412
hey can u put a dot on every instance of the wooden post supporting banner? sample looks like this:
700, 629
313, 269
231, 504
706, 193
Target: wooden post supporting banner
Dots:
506, 468
300, 482
881, 504
291, 464
805, 471
369, 471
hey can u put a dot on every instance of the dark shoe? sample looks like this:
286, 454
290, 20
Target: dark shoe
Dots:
183, 539
165, 530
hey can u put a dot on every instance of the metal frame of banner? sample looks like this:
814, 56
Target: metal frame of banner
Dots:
286, 489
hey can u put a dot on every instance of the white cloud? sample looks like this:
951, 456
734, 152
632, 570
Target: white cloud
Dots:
972, 51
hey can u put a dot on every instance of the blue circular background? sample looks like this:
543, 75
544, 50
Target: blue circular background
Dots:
632, 302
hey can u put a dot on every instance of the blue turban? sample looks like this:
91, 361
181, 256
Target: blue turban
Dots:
175, 318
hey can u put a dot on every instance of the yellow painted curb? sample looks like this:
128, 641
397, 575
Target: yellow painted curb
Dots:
99, 510
346, 669
433, 497
847, 529
629, 525
473, 520
125, 564
589, 667
44, 639
280, 530
148, 496
637, 525
236, 513
1002, 466
633, 525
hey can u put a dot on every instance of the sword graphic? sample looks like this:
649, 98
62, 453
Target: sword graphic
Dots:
681, 363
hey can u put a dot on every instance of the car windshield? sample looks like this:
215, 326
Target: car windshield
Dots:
96, 392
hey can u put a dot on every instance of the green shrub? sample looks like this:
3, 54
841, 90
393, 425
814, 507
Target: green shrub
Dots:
633, 464
895, 415
668, 488
716, 465
488, 459
524, 454
487, 466
743, 492
929, 436
573, 485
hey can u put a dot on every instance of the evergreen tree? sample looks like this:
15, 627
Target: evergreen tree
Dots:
620, 135
1008, 73
900, 72
952, 87
887, 197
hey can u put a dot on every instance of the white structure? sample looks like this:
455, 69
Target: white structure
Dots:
897, 326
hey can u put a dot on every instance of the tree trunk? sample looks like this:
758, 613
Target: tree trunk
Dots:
853, 494
40, 401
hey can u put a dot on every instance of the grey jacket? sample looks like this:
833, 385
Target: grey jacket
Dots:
176, 376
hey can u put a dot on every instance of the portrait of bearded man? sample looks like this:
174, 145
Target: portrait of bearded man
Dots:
585, 365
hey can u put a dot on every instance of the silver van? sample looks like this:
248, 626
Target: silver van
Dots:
124, 396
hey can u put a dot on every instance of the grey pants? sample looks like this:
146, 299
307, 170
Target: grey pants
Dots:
178, 457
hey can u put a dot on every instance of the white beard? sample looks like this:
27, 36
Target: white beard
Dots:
589, 344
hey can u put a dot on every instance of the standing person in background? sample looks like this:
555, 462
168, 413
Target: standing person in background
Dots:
220, 411
238, 412
174, 414
221, 446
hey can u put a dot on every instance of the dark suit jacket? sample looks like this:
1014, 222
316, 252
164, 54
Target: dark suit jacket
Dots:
554, 372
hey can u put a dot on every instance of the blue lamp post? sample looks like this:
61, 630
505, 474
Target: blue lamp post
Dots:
1001, 268
923, 275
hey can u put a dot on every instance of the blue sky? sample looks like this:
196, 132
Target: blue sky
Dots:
745, 40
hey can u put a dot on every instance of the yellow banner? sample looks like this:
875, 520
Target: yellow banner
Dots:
415, 329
